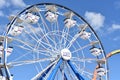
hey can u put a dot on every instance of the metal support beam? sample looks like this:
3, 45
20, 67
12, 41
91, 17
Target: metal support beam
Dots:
54, 71
65, 77
44, 73
75, 71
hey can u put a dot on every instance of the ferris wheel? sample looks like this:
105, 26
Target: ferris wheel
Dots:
47, 41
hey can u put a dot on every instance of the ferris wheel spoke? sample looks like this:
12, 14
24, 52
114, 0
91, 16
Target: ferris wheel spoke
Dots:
36, 68
25, 43
64, 35
42, 52
20, 57
32, 32
86, 74
42, 45
45, 54
84, 71
40, 28
53, 27
52, 37
59, 38
76, 36
22, 47
85, 59
53, 40
42, 34
43, 21
33, 49
45, 44
30, 35
73, 40
20, 63
90, 44
57, 25
46, 50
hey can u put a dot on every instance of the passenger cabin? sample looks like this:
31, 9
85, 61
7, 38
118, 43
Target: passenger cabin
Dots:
100, 71
17, 30
95, 51
69, 22
85, 35
9, 50
1, 49
31, 18
51, 17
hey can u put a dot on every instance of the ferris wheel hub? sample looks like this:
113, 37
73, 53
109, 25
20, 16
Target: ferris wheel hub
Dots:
66, 54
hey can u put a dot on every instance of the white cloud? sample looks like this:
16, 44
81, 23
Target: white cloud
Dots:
18, 3
2, 3
1, 14
95, 19
115, 26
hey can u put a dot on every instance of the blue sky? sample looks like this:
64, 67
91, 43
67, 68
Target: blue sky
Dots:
103, 15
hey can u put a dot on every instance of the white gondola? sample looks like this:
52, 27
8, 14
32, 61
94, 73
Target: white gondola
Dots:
1, 49
95, 51
9, 51
17, 30
31, 18
69, 22
100, 71
51, 17
85, 35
